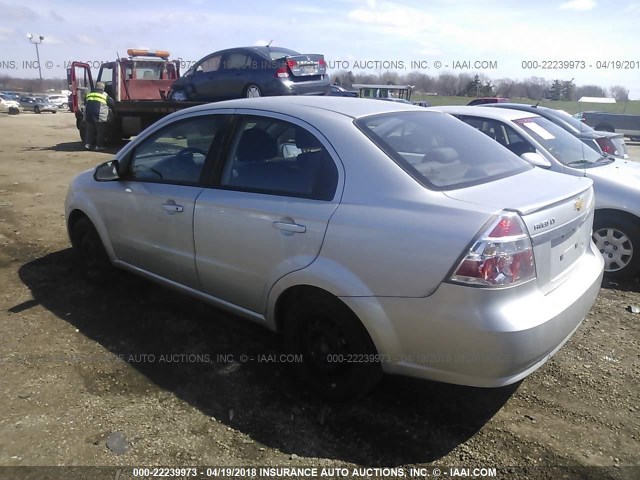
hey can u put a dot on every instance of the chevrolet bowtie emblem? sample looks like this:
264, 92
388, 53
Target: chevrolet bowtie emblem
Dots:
578, 204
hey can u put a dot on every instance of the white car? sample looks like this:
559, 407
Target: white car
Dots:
616, 228
376, 236
60, 101
9, 106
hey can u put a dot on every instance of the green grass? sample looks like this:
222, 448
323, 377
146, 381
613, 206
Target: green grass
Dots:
632, 107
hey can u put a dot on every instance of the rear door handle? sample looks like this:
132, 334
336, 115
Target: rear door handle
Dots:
290, 227
172, 207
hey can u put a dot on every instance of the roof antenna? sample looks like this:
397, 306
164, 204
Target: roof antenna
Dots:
269, 44
538, 103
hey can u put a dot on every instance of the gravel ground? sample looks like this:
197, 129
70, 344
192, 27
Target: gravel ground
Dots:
132, 374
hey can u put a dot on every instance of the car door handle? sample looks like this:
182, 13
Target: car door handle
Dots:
172, 207
288, 227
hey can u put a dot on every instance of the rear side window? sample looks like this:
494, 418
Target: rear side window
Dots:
440, 151
277, 157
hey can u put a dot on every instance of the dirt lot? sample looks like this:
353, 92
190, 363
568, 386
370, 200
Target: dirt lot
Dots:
74, 371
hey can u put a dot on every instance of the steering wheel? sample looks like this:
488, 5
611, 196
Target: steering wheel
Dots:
191, 151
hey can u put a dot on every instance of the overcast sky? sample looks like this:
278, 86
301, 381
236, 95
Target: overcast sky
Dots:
505, 31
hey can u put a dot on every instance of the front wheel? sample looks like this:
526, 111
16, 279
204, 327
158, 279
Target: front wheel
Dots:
617, 237
36, 109
54, 111
337, 358
13, 111
178, 96
252, 91
91, 255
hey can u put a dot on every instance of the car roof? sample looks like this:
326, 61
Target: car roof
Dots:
504, 114
348, 106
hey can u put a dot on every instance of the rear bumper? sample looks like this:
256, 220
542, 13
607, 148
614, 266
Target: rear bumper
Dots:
318, 87
480, 337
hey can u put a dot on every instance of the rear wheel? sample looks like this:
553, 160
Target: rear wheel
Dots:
617, 237
339, 359
91, 255
36, 109
252, 91
54, 111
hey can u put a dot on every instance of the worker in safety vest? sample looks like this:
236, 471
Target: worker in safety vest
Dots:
96, 115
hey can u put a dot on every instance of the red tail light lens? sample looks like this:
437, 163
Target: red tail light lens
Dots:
502, 256
282, 72
607, 146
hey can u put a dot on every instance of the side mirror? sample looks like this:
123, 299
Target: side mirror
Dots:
107, 172
536, 159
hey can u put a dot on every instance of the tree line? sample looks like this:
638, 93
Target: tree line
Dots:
463, 84
479, 85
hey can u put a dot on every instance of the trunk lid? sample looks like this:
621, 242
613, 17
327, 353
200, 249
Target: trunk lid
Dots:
557, 210
305, 66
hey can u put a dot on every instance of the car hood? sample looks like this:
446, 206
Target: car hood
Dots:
621, 172
526, 192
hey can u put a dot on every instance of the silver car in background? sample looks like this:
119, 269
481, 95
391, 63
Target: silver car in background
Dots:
375, 236
616, 182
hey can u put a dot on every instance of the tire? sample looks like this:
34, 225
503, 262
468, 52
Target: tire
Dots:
13, 111
617, 236
54, 111
252, 91
91, 256
178, 96
324, 332
36, 109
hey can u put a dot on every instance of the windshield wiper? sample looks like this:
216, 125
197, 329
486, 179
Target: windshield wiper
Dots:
578, 163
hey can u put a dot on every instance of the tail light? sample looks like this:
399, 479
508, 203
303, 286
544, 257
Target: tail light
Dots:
607, 146
282, 72
501, 256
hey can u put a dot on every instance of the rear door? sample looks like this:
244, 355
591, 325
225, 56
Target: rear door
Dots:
268, 213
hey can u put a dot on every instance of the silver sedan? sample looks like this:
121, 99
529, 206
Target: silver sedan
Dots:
375, 236
616, 181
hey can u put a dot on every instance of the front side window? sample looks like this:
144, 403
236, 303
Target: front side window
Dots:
440, 151
176, 153
210, 64
277, 157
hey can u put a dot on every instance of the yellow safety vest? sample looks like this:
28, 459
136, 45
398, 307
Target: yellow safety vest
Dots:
99, 97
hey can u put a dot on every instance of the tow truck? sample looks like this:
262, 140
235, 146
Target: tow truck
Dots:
138, 85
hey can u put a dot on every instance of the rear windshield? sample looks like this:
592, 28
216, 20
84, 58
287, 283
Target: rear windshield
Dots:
440, 151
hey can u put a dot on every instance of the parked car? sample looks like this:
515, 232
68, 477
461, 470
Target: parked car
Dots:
37, 105
375, 236
338, 91
610, 143
9, 106
626, 124
422, 103
253, 72
616, 230
60, 101
485, 100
